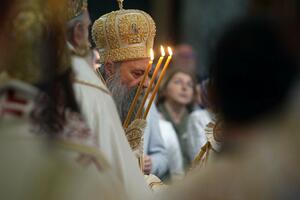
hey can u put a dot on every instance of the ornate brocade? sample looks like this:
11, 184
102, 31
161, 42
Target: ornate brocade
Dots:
128, 53
100, 35
213, 128
133, 29
112, 40
124, 35
135, 133
135, 136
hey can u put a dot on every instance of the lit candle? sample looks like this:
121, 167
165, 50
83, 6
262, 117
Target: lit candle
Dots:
138, 92
158, 82
156, 70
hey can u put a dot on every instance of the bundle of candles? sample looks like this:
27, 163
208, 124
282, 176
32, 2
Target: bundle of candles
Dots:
140, 114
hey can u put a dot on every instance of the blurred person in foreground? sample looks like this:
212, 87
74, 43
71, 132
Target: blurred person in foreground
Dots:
44, 152
97, 106
124, 38
253, 75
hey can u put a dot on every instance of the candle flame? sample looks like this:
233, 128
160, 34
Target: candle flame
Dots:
170, 51
151, 54
162, 50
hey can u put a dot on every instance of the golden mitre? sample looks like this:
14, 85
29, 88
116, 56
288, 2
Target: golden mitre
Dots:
76, 7
125, 34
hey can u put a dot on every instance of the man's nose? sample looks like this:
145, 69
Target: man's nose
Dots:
146, 83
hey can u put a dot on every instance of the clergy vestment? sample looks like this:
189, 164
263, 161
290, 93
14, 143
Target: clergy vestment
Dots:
100, 113
35, 166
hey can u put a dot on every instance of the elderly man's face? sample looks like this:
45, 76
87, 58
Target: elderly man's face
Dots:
132, 72
123, 81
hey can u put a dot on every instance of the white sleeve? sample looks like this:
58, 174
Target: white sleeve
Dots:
175, 160
101, 115
196, 132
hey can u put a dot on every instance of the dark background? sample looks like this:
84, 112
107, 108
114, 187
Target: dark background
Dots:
195, 22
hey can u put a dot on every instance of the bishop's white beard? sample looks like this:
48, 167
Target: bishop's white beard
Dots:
123, 96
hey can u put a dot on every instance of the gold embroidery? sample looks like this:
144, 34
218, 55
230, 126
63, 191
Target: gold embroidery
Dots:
111, 34
151, 185
129, 53
133, 29
154, 182
201, 158
135, 132
100, 34
212, 129
124, 35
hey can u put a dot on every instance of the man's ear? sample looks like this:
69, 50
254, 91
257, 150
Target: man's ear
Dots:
78, 34
109, 68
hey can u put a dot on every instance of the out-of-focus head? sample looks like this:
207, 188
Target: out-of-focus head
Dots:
178, 86
185, 57
37, 54
37, 43
96, 59
252, 72
287, 12
78, 26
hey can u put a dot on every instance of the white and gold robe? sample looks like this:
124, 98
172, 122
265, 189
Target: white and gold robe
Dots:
35, 167
99, 111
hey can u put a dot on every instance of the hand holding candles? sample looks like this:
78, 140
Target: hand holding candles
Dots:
158, 82
139, 112
138, 92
